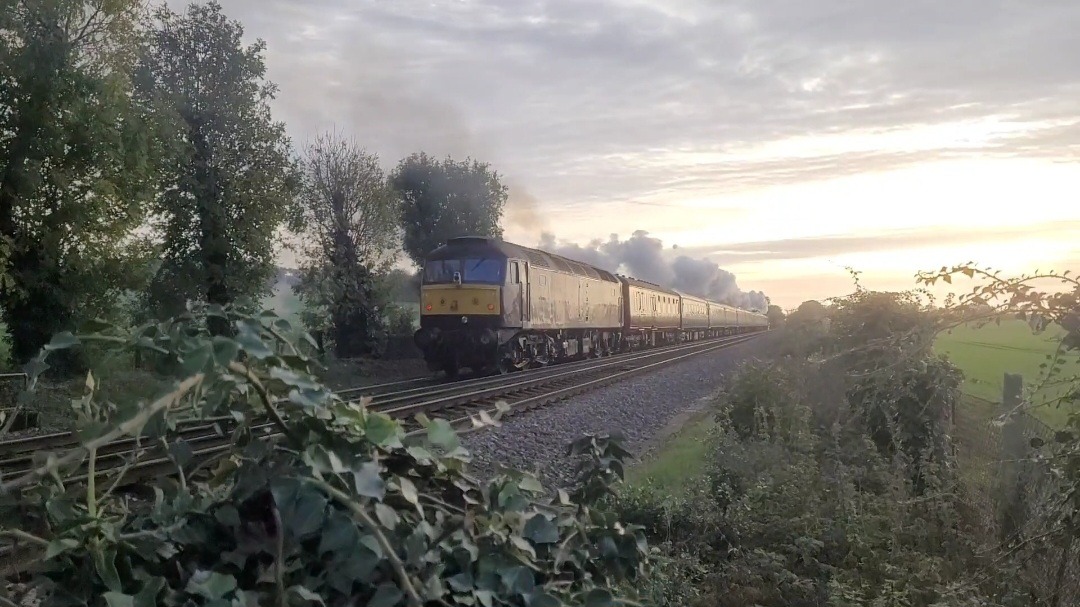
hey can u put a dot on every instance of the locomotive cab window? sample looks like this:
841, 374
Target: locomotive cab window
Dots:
515, 273
471, 270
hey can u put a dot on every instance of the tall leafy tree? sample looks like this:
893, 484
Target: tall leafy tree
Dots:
227, 191
446, 199
351, 238
76, 161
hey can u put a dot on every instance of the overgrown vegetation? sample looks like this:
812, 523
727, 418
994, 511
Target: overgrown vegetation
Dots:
829, 476
342, 508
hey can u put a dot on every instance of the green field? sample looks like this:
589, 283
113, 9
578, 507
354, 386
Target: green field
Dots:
986, 353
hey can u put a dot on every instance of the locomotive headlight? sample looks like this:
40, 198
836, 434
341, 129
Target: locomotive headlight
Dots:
464, 320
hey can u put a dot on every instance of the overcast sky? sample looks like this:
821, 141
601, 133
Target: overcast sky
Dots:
783, 140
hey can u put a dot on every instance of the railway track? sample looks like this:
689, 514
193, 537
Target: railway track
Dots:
208, 439
455, 401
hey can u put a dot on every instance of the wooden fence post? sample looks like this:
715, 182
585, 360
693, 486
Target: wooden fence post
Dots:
1012, 451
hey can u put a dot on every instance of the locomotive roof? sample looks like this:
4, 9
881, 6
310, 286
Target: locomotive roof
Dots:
536, 257
644, 284
685, 295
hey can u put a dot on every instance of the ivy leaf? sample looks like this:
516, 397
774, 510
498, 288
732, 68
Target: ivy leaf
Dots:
309, 512
117, 599
303, 508
539, 598
387, 595
195, 361
441, 433
60, 546
523, 545
249, 339
215, 310
307, 398
368, 482
225, 350
105, 564
305, 595
518, 580
61, 341
339, 535
530, 483
180, 451
408, 491
386, 515
228, 515
211, 585
147, 597
540, 530
598, 597
382, 431
293, 378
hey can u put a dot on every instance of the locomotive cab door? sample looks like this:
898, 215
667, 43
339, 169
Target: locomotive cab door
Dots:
516, 298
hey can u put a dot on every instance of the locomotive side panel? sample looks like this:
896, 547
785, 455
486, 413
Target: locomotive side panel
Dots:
561, 301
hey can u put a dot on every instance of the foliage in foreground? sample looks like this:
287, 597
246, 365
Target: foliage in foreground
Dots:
343, 508
832, 480
793, 514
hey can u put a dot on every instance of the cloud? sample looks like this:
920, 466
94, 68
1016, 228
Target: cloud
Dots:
644, 257
816, 247
608, 115
588, 101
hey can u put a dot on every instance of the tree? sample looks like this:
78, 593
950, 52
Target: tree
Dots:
76, 162
776, 315
228, 188
443, 200
349, 213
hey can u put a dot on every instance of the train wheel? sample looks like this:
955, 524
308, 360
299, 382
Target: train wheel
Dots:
511, 358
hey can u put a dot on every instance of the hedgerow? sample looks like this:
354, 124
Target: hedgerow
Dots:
340, 506
831, 478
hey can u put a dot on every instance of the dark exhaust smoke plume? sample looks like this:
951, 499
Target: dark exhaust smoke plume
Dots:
642, 256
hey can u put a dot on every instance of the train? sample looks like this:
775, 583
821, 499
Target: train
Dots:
493, 306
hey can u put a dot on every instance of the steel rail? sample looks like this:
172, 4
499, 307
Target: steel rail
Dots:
210, 439
56, 440
383, 395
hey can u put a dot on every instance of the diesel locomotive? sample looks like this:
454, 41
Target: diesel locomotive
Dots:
490, 305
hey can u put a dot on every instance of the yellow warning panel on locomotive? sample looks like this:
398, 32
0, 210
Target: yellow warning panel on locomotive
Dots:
452, 299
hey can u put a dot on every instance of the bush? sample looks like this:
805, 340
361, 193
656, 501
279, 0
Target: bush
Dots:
343, 508
792, 513
400, 320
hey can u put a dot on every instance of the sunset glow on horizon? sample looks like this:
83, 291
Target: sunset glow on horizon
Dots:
782, 142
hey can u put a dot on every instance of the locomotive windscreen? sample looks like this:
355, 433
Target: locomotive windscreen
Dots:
472, 270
